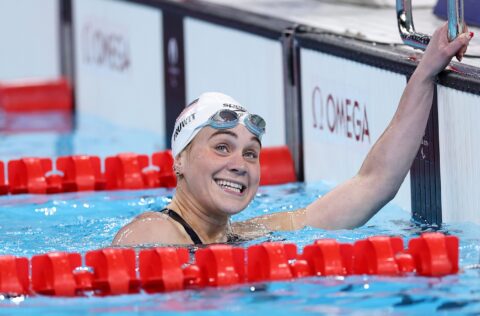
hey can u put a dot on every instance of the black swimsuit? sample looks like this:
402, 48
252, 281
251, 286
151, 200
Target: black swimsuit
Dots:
231, 238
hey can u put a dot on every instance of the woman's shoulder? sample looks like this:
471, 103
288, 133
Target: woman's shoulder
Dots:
150, 215
150, 228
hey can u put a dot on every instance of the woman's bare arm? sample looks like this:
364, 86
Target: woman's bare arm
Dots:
354, 202
261, 225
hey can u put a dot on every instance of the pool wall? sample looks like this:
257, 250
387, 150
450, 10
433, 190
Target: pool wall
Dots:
25, 55
137, 62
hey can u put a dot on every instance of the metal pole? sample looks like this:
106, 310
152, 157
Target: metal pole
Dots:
456, 21
418, 40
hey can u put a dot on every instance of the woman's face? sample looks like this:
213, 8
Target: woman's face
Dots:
221, 169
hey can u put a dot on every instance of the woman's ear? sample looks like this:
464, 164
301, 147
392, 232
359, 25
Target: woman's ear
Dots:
178, 163
181, 160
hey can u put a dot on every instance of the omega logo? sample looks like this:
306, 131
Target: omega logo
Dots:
340, 116
105, 48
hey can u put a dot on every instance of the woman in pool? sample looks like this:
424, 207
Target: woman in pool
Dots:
216, 144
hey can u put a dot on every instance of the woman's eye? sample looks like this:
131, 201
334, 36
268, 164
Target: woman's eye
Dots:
251, 155
222, 148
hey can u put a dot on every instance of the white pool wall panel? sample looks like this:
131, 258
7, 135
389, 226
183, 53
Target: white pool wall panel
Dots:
119, 64
458, 114
246, 66
335, 144
30, 39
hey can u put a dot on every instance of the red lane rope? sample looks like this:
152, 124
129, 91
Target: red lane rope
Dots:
31, 95
82, 172
125, 171
113, 271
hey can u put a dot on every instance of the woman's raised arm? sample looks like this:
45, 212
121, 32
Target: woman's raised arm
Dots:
354, 202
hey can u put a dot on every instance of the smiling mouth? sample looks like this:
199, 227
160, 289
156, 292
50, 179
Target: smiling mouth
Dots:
231, 186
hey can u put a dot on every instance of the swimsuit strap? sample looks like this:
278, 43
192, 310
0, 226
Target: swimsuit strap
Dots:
174, 215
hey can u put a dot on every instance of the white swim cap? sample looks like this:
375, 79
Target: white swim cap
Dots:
198, 113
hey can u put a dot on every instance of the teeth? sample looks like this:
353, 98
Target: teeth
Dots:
230, 185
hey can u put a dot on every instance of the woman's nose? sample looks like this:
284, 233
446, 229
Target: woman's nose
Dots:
237, 164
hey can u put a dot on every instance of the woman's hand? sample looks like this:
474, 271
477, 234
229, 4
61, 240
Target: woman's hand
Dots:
440, 51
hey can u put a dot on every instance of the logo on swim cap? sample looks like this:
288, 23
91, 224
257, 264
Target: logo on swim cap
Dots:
236, 107
182, 124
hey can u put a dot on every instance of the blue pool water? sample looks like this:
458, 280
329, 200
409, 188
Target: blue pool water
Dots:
78, 222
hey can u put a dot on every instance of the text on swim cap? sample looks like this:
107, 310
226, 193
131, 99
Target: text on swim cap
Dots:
234, 106
182, 124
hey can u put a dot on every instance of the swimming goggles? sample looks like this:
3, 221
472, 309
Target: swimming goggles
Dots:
225, 119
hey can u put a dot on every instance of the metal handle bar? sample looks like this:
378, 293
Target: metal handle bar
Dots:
418, 40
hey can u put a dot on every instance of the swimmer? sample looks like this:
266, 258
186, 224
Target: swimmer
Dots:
216, 143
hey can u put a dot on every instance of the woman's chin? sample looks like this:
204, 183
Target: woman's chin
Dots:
233, 205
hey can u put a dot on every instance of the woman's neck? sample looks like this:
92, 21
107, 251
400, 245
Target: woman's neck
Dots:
210, 228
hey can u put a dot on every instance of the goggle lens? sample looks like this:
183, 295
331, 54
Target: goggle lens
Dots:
225, 116
257, 121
